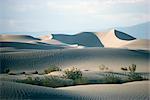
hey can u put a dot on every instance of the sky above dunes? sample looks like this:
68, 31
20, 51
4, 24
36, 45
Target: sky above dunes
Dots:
70, 15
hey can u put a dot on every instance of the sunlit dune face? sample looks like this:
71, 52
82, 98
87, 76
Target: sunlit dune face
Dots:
46, 37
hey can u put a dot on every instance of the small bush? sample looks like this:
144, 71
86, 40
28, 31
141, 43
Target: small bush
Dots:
51, 69
132, 68
73, 73
23, 73
36, 72
12, 73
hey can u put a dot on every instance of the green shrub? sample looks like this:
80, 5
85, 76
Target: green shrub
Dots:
51, 69
73, 73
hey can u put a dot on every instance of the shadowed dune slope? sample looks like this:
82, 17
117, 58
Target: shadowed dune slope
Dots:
88, 39
129, 91
20, 91
20, 45
87, 58
123, 36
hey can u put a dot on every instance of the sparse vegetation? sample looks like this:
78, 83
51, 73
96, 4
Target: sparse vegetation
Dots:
132, 75
132, 68
10, 73
73, 73
51, 69
36, 72
103, 68
124, 69
75, 77
23, 73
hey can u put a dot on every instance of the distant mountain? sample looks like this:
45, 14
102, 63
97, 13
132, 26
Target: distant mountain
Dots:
140, 31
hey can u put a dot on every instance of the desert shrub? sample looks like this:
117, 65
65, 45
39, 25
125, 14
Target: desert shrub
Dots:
51, 69
73, 73
132, 68
22, 72
124, 69
10, 73
36, 72
111, 79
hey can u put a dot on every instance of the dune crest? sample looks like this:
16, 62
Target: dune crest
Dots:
109, 39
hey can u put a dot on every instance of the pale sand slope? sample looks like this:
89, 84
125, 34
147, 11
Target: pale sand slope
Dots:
128, 91
84, 59
138, 44
117, 39
109, 39
17, 38
8, 40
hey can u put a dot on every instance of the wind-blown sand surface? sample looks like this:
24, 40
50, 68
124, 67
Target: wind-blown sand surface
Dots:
137, 44
87, 58
128, 91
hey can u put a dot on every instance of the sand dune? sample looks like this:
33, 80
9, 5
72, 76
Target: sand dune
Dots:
114, 38
18, 91
138, 44
87, 58
46, 37
129, 91
17, 38
110, 39
87, 39
22, 45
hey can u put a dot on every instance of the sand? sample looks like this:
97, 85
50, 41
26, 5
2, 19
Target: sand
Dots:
129, 91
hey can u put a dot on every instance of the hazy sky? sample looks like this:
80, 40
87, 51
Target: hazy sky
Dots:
70, 15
